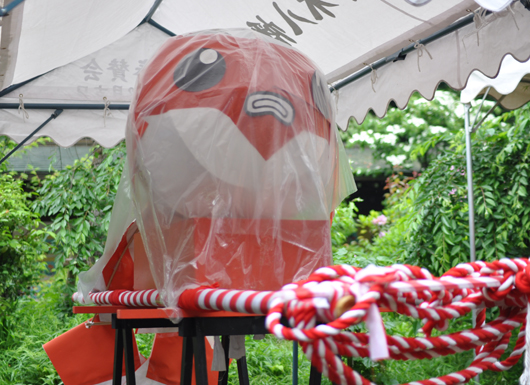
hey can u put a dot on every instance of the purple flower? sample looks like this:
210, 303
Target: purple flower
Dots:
452, 168
382, 234
452, 192
463, 173
380, 220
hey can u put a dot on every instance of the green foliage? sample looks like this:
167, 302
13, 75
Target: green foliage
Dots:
22, 234
22, 240
428, 226
22, 248
270, 362
343, 225
439, 222
79, 201
376, 238
34, 321
416, 134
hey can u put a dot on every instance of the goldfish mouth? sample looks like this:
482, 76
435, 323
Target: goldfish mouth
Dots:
270, 103
224, 151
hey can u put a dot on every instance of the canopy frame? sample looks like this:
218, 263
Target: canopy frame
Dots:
54, 115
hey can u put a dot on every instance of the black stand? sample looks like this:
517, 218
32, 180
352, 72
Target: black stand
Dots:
193, 330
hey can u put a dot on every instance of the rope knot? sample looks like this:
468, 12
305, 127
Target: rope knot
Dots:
106, 111
373, 76
21, 108
522, 280
420, 48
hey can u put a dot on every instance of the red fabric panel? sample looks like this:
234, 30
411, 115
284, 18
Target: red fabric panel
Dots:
84, 356
166, 359
124, 277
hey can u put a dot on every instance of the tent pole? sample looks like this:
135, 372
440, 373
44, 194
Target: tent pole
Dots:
152, 11
295, 363
469, 172
9, 7
161, 28
53, 116
471, 203
64, 106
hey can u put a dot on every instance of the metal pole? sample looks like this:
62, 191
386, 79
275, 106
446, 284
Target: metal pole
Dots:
471, 204
469, 172
63, 106
9, 7
295, 363
399, 55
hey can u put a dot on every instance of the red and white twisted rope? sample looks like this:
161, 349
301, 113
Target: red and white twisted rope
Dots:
319, 309
141, 298
311, 308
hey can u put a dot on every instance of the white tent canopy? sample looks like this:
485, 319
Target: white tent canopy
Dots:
450, 59
510, 87
92, 50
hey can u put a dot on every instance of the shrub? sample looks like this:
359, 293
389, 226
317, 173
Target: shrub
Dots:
406, 138
22, 248
438, 238
79, 201
34, 321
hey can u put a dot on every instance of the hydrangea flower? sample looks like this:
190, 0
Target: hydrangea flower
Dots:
380, 220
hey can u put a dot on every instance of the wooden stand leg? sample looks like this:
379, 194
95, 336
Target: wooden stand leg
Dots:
129, 356
118, 358
186, 369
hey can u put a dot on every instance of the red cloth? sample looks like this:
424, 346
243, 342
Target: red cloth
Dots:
166, 358
84, 356
124, 276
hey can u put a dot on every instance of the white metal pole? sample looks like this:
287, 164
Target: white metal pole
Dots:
470, 201
469, 172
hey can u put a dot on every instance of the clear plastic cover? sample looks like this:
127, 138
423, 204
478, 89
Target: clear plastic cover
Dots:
235, 163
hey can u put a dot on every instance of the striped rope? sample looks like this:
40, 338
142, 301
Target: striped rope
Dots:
141, 298
320, 310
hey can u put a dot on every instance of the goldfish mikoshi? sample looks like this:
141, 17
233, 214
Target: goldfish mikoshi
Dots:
234, 161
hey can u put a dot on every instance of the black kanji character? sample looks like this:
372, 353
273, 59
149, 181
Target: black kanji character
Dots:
296, 29
270, 29
117, 90
141, 65
100, 90
118, 69
93, 70
316, 5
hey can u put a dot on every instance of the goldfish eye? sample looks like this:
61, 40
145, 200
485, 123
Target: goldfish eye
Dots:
200, 70
321, 96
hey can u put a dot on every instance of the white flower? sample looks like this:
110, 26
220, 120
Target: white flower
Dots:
396, 160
